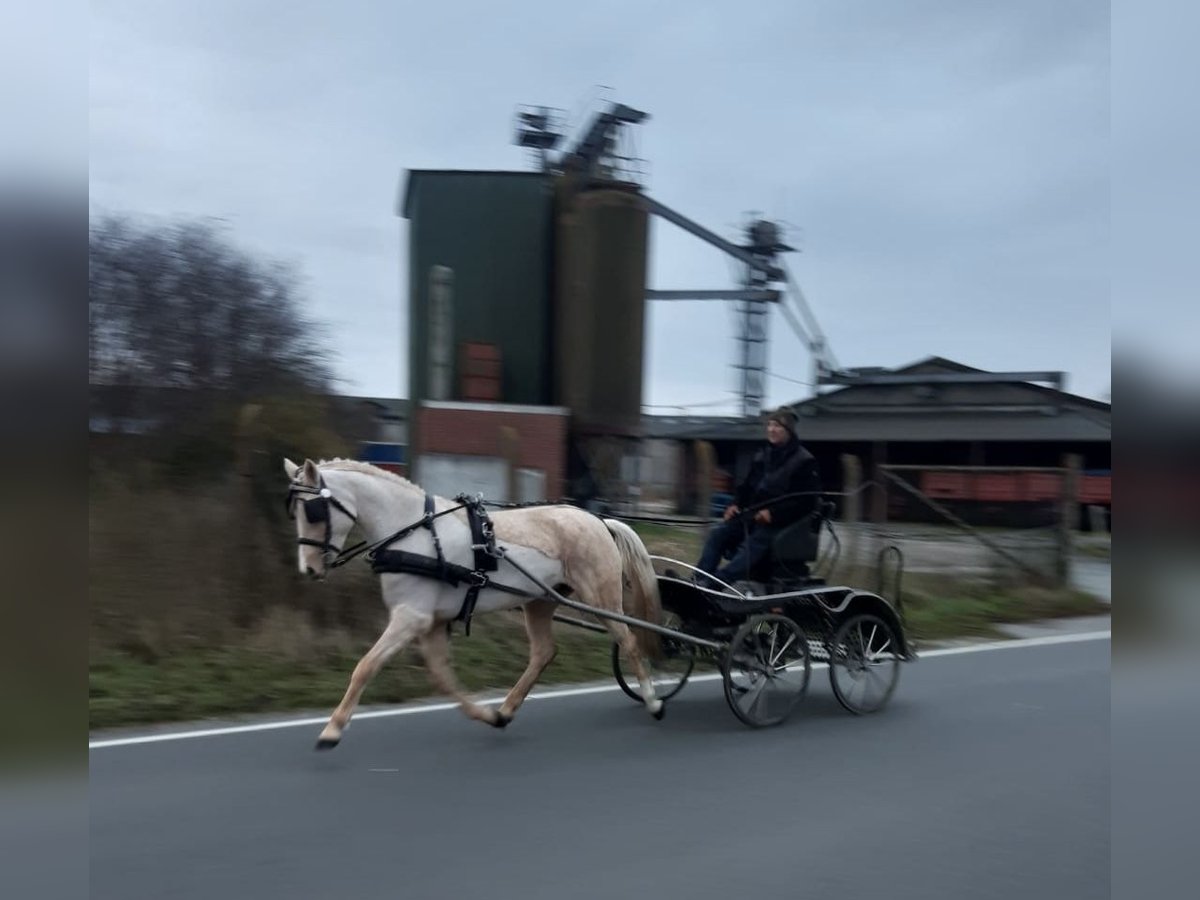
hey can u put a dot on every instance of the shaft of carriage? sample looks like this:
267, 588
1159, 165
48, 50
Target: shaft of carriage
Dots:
607, 614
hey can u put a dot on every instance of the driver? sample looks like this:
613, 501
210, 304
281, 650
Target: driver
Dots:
780, 468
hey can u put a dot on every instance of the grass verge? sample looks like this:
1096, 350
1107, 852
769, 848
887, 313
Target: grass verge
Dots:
940, 608
283, 663
246, 678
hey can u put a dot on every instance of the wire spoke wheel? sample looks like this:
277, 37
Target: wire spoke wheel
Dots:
864, 663
767, 668
669, 673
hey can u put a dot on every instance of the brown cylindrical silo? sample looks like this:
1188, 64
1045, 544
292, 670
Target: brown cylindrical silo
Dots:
600, 308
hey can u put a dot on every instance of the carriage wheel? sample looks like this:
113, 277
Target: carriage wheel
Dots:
669, 673
864, 663
767, 667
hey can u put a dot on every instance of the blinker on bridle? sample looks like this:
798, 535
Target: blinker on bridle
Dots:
316, 510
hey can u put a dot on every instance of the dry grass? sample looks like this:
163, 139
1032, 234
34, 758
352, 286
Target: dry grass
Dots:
940, 607
197, 611
682, 543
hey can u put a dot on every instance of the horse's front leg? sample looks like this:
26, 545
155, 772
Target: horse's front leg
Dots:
402, 627
435, 647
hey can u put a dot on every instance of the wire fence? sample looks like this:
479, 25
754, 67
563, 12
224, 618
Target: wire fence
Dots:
1011, 524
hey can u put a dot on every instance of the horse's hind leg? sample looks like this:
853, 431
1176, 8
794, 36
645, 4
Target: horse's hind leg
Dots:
402, 627
539, 625
624, 636
435, 647
606, 592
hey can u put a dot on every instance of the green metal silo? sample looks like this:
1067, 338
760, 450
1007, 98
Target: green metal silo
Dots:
493, 232
599, 307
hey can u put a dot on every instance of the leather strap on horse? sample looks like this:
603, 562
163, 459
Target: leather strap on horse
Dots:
451, 573
483, 538
428, 523
317, 509
418, 564
487, 559
483, 543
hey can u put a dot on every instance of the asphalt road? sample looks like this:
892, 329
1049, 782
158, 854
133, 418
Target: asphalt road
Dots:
987, 776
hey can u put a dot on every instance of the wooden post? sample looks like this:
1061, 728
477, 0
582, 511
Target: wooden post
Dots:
510, 449
851, 511
244, 531
1068, 516
879, 498
706, 461
681, 477
684, 479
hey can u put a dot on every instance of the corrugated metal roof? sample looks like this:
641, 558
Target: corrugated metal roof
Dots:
964, 412
875, 427
939, 365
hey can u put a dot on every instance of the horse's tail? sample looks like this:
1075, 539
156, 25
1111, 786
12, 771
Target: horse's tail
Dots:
642, 585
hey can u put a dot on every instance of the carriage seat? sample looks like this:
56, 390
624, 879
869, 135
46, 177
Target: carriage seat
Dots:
798, 544
793, 548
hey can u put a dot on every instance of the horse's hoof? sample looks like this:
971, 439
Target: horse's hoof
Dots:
660, 712
501, 720
327, 743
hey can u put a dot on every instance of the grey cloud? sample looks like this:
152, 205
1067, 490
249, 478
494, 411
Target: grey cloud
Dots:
945, 163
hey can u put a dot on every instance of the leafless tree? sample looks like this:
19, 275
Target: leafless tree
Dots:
185, 329
184, 308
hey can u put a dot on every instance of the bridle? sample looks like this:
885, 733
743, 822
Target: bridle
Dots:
317, 509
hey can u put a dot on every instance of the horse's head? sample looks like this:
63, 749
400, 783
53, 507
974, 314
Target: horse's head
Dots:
323, 520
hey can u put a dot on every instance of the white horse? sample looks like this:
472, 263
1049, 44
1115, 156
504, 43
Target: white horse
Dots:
600, 562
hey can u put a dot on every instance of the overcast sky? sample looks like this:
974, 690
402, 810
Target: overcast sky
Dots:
943, 164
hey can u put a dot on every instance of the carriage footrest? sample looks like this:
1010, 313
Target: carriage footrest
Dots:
751, 588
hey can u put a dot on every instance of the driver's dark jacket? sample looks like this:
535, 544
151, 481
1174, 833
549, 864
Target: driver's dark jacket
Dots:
776, 472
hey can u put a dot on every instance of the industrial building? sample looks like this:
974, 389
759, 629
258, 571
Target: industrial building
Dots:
934, 413
527, 295
525, 328
977, 419
526, 306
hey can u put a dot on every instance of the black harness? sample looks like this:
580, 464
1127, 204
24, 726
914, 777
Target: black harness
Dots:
383, 560
316, 510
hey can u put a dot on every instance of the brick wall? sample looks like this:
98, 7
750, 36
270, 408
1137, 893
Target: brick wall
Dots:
476, 431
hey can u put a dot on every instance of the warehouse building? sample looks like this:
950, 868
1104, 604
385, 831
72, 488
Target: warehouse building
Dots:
937, 413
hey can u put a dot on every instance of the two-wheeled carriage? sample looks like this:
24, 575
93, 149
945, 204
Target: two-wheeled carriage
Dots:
765, 636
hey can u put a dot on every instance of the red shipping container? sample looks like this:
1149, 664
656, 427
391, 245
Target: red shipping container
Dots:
1043, 486
946, 485
997, 487
1096, 489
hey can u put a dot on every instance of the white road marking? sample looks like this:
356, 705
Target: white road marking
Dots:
1016, 644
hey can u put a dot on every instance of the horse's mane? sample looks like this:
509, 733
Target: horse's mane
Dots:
356, 465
